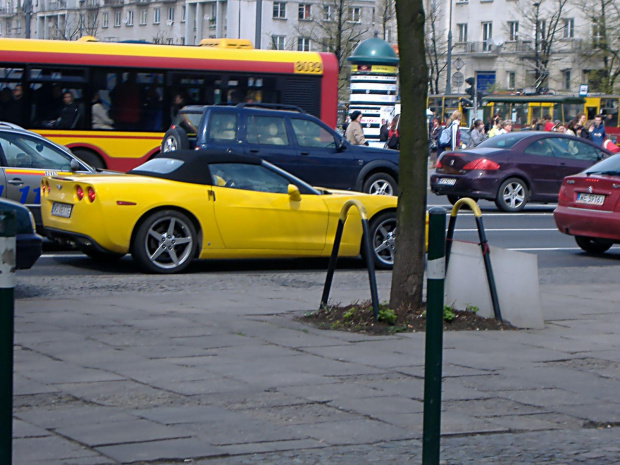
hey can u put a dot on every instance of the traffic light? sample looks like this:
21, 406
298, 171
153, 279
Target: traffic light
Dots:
471, 90
466, 103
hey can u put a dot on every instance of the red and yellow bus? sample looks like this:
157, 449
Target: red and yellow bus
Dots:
141, 86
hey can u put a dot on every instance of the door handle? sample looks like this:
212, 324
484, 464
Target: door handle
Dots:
254, 150
16, 181
304, 153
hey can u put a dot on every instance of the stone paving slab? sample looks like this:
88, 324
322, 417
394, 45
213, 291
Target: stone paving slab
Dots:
215, 369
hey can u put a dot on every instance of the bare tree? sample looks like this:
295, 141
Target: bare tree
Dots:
542, 19
334, 27
436, 45
76, 24
386, 14
408, 274
604, 47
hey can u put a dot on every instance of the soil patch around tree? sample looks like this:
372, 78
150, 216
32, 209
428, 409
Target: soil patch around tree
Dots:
359, 317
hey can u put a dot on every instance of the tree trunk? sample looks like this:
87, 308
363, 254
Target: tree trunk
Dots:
408, 274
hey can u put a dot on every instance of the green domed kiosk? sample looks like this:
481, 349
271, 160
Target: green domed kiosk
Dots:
374, 69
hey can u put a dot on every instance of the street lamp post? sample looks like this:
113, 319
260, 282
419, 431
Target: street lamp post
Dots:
448, 67
536, 34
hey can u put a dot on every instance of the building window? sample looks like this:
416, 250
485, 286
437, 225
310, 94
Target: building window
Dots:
303, 44
487, 36
279, 10
513, 30
143, 17
278, 42
130, 18
171, 14
569, 28
597, 35
105, 20
566, 79
304, 11
328, 12
511, 79
355, 14
184, 14
117, 19
462, 32
156, 16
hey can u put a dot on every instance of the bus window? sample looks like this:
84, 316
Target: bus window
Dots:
519, 114
571, 110
557, 112
609, 110
12, 103
47, 86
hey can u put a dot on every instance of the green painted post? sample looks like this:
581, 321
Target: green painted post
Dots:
7, 283
435, 276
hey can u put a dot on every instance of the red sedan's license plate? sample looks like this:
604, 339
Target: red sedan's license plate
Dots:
590, 199
61, 209
447, 181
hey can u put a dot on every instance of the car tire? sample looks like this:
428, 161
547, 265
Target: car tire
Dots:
165, 242
592, 245
89, 158
512, 195
174, 139
380, 184
382, 231
100, 255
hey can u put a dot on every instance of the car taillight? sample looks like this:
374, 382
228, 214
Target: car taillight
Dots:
483, 164
91, 193
438, 164
563, 196
79, 192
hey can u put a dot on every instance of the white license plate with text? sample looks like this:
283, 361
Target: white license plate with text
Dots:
447, 181
590, 199
61, 209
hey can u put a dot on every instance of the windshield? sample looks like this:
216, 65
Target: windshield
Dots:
503, 141
160, 165
610, 165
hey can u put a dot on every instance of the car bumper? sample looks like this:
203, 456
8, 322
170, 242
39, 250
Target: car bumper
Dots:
28, 250
80, 239
588, 223
476, 184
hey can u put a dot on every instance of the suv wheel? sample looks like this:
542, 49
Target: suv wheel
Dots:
174, 139
380, 184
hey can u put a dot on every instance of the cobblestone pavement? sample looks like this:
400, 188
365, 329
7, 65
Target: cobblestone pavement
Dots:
214, 369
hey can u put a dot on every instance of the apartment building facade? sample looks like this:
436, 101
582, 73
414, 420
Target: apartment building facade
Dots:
283, 25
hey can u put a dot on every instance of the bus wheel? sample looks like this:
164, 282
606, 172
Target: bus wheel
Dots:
174, 139
89, 158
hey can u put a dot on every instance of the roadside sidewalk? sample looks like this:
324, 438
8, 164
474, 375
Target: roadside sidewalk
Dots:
215, 369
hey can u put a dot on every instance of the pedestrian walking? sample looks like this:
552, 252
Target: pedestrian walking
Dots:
597, 131
354, 133
476, 132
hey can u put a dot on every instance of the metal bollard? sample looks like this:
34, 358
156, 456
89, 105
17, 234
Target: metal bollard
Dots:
7, 283
435, 277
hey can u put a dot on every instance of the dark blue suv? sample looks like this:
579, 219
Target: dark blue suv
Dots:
289, 138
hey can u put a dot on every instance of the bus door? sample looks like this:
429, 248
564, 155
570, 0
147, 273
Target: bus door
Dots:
592, 107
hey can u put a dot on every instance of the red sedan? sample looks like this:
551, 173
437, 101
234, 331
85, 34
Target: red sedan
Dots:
589, 206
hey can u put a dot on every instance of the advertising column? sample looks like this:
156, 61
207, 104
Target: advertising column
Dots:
374, 84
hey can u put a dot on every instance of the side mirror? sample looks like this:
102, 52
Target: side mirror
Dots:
75, 165
340, 145
293, 192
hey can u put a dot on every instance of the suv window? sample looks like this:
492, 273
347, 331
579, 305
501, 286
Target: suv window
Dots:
222, 127
266, 130
188, 122
310, 134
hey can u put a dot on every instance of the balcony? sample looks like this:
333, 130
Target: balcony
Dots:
54, 5
113, 2
7, 11
478, 49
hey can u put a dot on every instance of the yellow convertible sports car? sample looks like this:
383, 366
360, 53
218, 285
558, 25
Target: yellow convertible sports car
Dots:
205, 204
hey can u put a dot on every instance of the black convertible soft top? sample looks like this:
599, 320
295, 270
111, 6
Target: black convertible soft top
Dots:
195, 166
